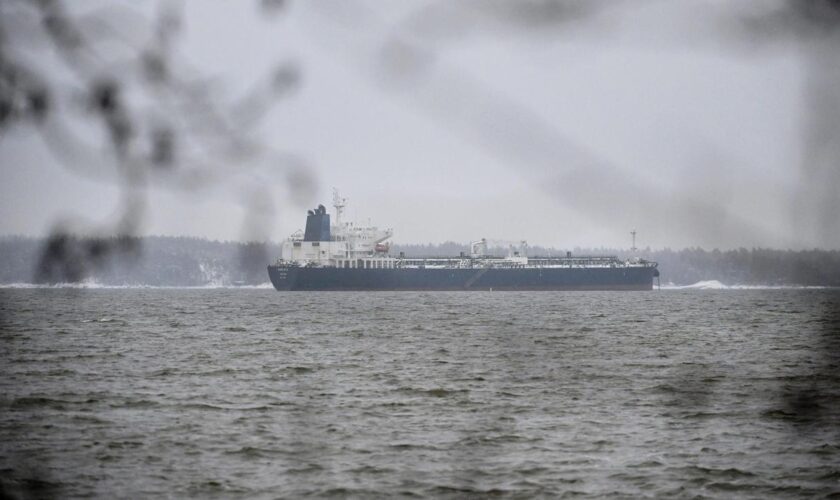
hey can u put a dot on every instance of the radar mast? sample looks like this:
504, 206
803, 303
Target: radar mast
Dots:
339, 203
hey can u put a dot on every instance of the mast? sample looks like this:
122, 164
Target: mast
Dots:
633, 248
339, 203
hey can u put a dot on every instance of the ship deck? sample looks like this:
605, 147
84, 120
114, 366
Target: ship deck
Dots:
529, 263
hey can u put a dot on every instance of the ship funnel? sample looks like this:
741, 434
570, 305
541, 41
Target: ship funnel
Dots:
317, 225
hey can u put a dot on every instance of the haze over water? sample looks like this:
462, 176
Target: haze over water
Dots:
255, 393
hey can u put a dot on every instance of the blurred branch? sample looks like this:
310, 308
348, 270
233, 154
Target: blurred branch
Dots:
158, 118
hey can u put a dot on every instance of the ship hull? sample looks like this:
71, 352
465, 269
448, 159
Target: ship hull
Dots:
339, 279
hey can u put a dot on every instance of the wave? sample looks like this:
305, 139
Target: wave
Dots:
700, 285
88, 284
91, 284
717, 285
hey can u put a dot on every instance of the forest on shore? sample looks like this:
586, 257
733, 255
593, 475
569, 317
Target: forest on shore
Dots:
186, 261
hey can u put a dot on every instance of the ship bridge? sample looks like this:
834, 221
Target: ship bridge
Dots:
341, 244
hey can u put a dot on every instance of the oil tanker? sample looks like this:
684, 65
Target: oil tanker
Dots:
346, 256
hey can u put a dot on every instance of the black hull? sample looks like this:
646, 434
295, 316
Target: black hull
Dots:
330, 278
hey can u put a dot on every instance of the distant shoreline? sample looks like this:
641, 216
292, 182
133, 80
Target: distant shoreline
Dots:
700, 286
188, 262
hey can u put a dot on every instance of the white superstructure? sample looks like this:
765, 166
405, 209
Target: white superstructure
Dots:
349, 245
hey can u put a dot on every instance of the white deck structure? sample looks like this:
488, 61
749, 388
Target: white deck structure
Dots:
352, 246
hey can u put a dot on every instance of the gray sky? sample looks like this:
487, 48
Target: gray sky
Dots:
697, 123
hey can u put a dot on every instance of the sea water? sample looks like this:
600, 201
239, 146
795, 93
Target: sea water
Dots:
256, 393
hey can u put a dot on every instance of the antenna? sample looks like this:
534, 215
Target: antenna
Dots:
633, 248
339, 203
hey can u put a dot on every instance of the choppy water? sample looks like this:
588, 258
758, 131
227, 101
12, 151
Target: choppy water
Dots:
228, 393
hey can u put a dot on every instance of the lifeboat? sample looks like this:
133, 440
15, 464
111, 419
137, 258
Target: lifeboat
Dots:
381, 247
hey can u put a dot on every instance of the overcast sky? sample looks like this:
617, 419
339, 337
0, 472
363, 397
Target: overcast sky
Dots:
708, 124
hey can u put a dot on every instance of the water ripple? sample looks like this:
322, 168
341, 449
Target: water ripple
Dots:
253, 393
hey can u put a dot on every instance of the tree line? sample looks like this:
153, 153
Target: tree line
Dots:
742, 266
186, 261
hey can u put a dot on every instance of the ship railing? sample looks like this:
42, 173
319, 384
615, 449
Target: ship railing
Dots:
608, 261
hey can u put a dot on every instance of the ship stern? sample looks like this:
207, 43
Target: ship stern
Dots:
282, 277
